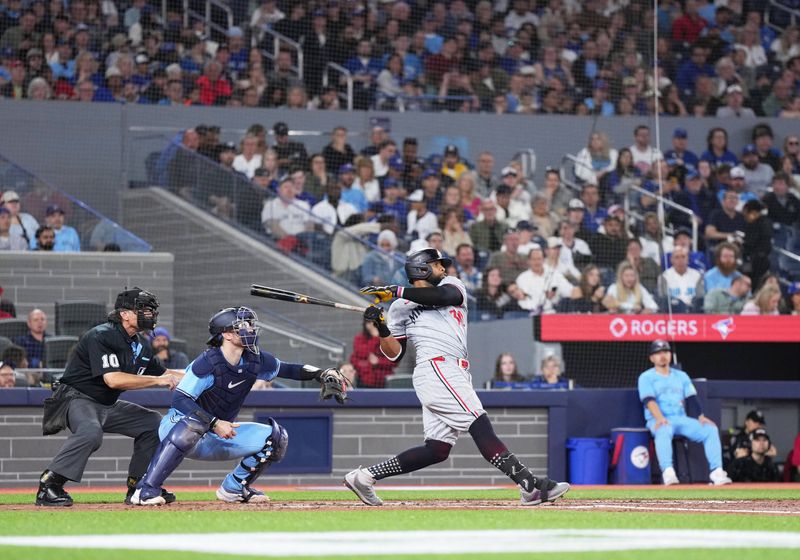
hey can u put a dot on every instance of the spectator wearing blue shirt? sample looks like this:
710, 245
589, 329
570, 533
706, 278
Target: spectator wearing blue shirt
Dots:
67, 238
380, 264
724, 271
593, 214
350, 193
33, 342
671, 408
696, 66
239, 54
65, 66
717, 152
391, 204
365, 70
679, 153
598, 103
468, 273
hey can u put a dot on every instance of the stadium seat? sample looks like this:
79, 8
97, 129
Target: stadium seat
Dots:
5, 342
399, 381
57, 349
73, 318
12, 328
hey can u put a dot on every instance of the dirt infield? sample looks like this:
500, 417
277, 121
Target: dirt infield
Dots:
733, 507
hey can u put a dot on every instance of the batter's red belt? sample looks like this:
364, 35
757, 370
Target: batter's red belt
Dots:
461, 362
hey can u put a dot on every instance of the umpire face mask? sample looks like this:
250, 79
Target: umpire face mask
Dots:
146, 318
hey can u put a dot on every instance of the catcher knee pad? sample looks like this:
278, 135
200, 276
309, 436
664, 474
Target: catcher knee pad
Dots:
273, 451
180, 440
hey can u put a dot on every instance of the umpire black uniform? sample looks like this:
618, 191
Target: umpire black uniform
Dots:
108, 359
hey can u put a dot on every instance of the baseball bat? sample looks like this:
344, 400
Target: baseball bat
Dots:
294, 297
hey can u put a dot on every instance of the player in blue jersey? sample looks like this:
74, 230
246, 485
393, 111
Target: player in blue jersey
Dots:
671, 408
202, 421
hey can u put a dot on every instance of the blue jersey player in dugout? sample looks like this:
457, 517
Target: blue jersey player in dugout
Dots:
202, 421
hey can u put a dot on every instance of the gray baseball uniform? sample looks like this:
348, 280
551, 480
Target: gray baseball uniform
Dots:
441, 375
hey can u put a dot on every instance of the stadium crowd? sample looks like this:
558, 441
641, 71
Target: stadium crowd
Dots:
521, 248
725, 58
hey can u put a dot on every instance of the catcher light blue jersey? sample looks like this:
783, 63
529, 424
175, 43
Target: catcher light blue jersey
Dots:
434, 331
669, 391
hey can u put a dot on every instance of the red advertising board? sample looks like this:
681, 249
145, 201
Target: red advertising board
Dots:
679, 328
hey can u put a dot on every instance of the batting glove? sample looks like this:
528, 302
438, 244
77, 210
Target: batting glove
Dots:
381, 293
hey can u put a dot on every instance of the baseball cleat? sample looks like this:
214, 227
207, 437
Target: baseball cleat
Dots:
137, 500
246, 496
670, 477
550, 492
363, 485
51, 491
719, 477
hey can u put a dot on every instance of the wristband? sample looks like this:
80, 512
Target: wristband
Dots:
383, 330
214, 423
399, 292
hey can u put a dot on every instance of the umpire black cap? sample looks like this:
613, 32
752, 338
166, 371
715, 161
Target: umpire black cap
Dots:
659, 346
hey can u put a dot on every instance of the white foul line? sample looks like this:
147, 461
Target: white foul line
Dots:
384, 543
656, 508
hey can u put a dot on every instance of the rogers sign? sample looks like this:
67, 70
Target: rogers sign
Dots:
634, 326
680, 328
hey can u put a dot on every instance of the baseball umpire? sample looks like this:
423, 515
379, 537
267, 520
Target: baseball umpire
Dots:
108, 359
433, 316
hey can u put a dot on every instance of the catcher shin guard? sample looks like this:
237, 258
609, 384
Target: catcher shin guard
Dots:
251, 467
180, 440
496, 452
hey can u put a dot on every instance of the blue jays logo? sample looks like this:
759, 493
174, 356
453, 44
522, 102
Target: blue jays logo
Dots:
724, 327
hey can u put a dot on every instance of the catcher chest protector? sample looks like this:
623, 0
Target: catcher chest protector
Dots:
418, 263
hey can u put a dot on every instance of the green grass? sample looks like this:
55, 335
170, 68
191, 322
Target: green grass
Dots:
75, 521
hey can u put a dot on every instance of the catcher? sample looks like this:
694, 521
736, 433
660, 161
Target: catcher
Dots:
202, 421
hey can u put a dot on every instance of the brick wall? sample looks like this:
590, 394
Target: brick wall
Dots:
40, 279
360, 437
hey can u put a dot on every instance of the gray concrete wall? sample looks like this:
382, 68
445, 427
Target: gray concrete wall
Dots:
39, 279
360, 437
92, 150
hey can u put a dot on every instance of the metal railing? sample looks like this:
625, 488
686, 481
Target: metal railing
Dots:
344, 76
190, 15
776, 6
627, 203
279, 40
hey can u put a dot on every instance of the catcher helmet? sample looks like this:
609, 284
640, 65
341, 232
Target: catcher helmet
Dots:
241, 320
139, 301
659, 346
418, 263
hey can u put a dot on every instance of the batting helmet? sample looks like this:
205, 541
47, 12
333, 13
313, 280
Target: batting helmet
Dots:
418, 263
241, 320
659, 346
139, 301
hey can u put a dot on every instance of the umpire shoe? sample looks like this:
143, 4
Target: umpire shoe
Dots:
362, 483
51, 491
550, 491
169, 497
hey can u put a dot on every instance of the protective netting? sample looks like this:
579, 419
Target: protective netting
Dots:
604, 222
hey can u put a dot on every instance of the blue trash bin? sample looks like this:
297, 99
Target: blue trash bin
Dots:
630, 462
588, 460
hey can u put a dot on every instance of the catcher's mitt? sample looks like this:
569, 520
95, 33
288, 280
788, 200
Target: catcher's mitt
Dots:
333, 384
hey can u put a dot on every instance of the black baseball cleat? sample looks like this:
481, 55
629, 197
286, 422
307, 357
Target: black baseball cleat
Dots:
51, 491
548, 491
169, 497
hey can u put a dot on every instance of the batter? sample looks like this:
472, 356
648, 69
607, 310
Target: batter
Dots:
433, 316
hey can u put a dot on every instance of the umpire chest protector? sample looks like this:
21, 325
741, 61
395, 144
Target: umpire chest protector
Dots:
232, 383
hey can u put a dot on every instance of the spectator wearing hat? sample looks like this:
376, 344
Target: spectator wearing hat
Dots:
697, 65
757, 175
757, 245
543, 285
15, 87
421, 221
392, 203
289, 153
736, 184
22, 224
10, 241
740, 444
431, 184
170, 359
528, 238
66, 237
680, 154
452, 166
565, 266
350, 192
696, 195
284, 217
757, 465
734, 104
